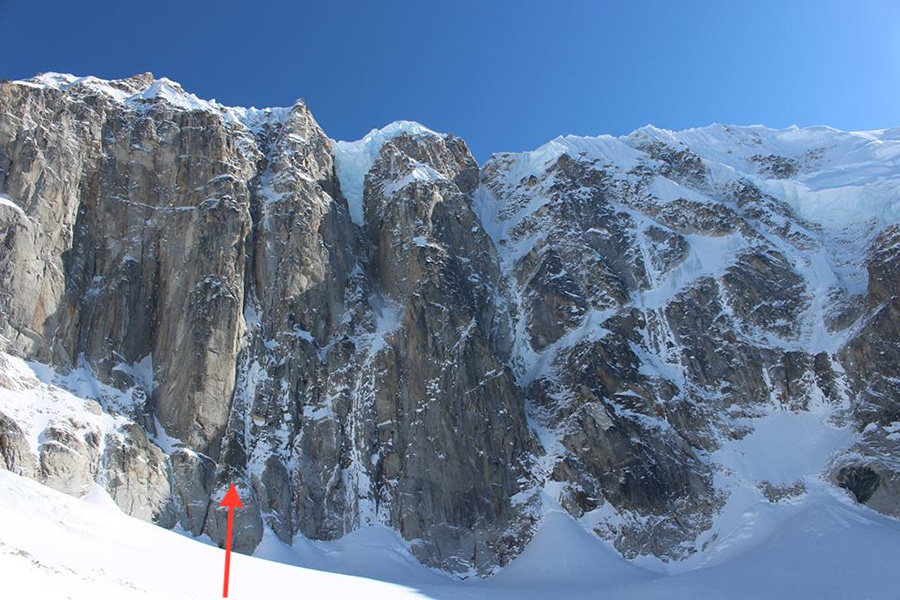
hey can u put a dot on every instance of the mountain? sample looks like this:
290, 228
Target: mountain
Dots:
655, 335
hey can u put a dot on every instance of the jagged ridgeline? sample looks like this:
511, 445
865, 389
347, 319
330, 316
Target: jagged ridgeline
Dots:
383, 332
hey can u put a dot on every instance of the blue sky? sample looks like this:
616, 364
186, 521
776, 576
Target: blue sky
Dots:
503, 75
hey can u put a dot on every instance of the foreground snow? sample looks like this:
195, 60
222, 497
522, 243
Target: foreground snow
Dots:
814, 543
55, 546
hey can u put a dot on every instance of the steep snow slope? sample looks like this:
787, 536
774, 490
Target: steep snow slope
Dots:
847, 183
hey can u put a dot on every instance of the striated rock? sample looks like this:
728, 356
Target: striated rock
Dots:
451, 439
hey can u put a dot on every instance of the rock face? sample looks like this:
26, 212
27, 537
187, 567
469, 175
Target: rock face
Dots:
871, 469
137, 477
383, 332
14, 449
451, 437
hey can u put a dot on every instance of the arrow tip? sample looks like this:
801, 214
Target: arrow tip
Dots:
231, 499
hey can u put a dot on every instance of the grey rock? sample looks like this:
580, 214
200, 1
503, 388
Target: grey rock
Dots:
776, 493
193, 478
776, 167
766, 292
862, 481
14, 449
68, 460
248, 525
275, 499
447, 468
136, 476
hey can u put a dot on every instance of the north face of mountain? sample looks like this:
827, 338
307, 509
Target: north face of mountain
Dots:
384, 332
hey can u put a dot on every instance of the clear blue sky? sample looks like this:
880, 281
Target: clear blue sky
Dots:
503, 75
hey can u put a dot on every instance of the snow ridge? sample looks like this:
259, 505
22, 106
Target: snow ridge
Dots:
353, 160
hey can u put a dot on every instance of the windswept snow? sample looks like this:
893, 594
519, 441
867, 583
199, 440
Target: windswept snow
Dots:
159, 90
604, 149
786, 446
54, 546
171, 92
563, 555
788, 451
842, 178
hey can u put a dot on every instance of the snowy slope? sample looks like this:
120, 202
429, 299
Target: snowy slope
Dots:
837, 179
55, 546
847, 183
816, 543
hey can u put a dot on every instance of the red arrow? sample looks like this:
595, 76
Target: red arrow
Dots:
231, 500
